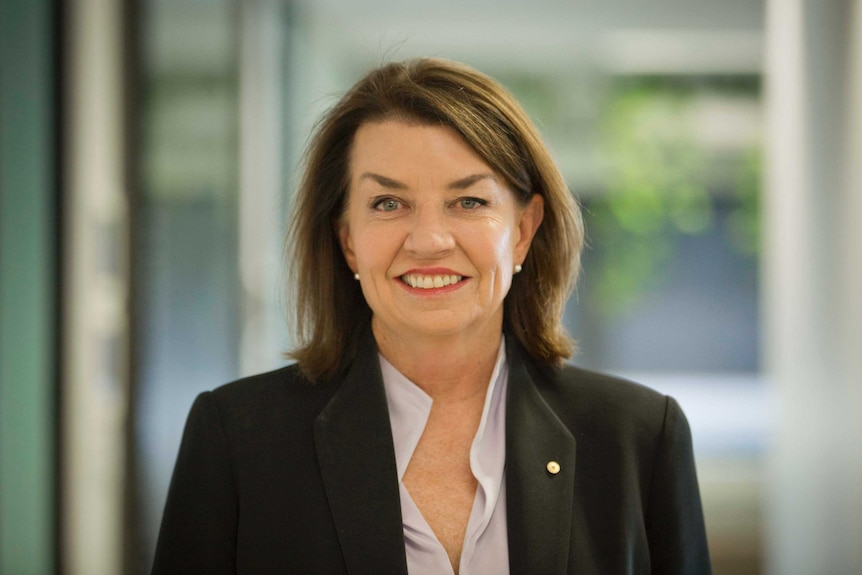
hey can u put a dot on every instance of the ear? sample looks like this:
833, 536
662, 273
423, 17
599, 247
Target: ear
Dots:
528, 224
346, 242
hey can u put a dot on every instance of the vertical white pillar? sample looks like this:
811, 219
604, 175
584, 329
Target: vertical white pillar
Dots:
851, 282
262, 184
812, 285
95, 338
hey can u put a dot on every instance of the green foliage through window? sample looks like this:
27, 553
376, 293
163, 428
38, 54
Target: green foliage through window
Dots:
658, 189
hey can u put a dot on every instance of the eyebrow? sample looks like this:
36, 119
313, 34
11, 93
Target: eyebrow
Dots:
461, 184
384, 181
465, 183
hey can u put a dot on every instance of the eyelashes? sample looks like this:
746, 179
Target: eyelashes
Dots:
386, 204
471, 203
392, 204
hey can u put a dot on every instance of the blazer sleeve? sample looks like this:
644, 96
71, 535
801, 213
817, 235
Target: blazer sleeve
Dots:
198, 531
674, 516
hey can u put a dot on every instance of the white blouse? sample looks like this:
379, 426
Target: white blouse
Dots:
486, 548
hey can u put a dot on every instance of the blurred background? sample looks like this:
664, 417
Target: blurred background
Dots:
149, 151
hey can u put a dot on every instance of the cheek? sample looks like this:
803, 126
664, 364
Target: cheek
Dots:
502, 242
491, 246
375, 246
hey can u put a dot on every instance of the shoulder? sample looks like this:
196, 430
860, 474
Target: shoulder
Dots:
288, 379
599, 392
603, 406
270, 399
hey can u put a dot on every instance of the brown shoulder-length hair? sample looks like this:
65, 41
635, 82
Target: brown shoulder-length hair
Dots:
329, 311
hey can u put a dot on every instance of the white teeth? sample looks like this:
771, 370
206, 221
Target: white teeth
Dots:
430, 282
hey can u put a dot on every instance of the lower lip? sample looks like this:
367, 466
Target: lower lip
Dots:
433, 291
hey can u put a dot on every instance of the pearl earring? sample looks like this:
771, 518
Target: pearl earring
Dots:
518, 268
356, 276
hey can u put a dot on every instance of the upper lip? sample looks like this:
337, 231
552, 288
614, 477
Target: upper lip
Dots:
432, 272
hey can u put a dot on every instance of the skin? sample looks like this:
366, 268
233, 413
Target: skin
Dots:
422, 202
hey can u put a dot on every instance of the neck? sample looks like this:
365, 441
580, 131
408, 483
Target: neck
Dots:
445, 367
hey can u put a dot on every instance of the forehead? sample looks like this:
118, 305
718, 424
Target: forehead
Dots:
402, 146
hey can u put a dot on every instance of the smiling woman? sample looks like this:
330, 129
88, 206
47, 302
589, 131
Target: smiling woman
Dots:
423, 209
492, 125
430, 425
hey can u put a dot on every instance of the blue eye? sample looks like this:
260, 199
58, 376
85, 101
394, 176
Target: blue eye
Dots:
471, 203
387, 204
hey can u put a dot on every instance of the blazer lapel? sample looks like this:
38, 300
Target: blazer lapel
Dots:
538, 501
356, 456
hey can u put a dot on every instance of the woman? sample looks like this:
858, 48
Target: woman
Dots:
429, 424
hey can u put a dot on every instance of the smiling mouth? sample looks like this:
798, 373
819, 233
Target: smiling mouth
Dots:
420, 281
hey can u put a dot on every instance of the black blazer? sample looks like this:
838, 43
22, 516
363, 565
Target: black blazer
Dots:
279, 475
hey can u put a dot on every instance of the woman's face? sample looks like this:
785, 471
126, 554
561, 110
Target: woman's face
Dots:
432, 231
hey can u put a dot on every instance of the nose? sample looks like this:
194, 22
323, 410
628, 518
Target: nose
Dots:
429, 234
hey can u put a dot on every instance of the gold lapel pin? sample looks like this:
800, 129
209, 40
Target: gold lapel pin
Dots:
553, 467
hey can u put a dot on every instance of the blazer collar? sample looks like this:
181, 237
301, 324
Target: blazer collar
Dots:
538, 501
356, 456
